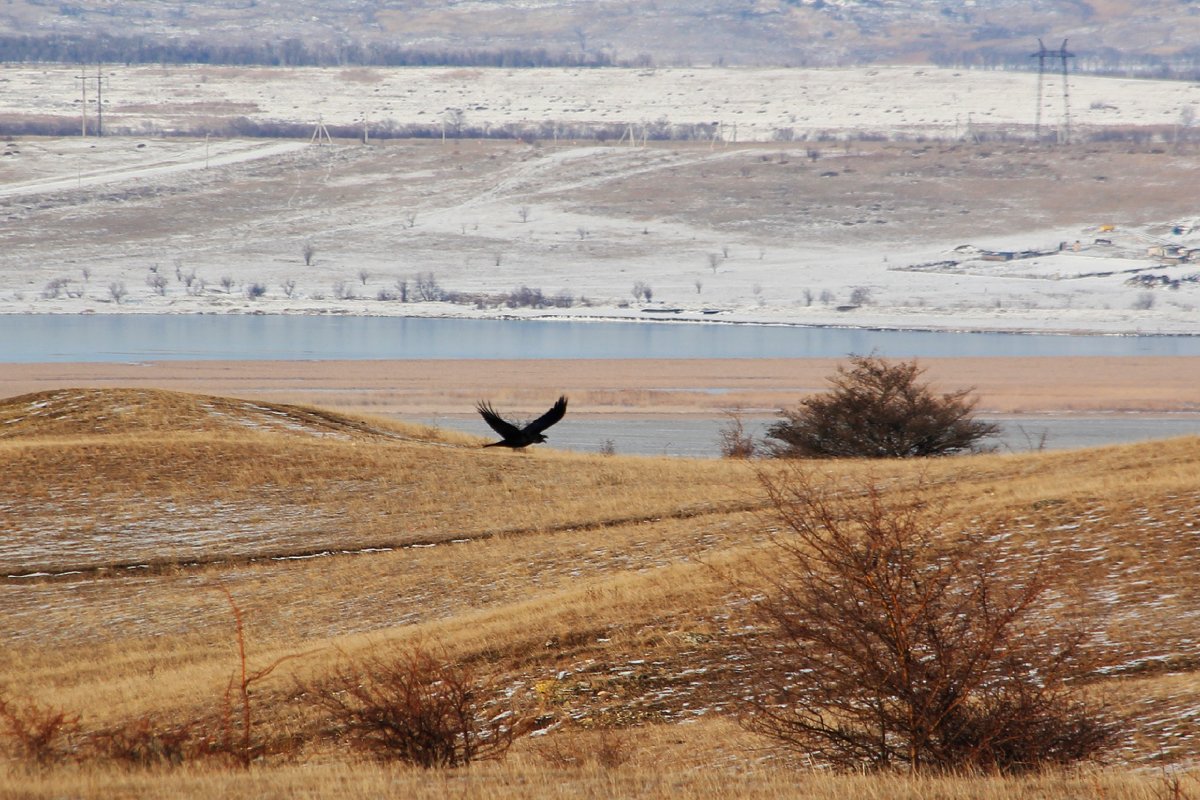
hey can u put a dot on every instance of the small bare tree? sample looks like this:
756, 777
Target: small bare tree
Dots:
308, 250
289, 288
878, 409
860, 296
364, 276
157, 282
117, 291
227, 283
714, 261
901, 642
343, 290
427, 288
523, 213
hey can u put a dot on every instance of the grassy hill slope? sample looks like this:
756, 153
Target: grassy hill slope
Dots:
598, 587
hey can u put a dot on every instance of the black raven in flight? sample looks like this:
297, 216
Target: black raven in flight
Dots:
515, 437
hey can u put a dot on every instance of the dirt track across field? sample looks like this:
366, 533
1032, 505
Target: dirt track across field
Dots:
634, 387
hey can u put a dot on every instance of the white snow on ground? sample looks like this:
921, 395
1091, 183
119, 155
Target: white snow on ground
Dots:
748, 104
462, 231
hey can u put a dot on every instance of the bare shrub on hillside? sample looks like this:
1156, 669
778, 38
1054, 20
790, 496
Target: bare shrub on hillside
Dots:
563, 299
144, 742
38, 735
878, 409
55, 287
860, 296
308, 250
904, 643
289, 288
607, 748
1143, 302
414, 707
343, 290
157, 282
733, 440
426, 287
117, 291
524, 297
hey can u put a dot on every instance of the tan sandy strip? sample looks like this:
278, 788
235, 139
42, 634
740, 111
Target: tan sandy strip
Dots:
681, 386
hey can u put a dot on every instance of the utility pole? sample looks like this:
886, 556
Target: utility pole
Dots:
99, 102
83, 101
83, 79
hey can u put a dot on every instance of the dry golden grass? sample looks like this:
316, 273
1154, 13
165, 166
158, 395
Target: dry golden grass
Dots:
601, 581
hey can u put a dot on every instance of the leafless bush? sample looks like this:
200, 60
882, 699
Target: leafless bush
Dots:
227, 283
714, 261
523, 213
1143, 302
608, 448
364, 276
642, 291
256, 290
606, 748
117, 291
402, 289
860, 296
903, 643
827, 296
39, 735
55, 287
146, 741
414, 707
157, 282
425, 287
308, 250
386, 295
563, 299
524, 297
878, 409
288, 287
733, 440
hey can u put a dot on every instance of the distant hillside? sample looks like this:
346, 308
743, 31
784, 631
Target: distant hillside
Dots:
1156, 36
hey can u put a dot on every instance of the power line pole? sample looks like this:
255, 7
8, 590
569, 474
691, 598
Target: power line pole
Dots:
83, 79
99, 102
1064, 133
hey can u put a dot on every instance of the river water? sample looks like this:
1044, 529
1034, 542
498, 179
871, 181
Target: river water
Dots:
32, 338
165, 337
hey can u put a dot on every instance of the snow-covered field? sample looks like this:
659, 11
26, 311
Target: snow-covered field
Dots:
816, 232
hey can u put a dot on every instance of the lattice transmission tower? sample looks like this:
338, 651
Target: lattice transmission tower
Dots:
1061, 55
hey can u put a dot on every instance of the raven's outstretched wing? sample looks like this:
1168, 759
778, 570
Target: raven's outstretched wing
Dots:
506, 429
552, 416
